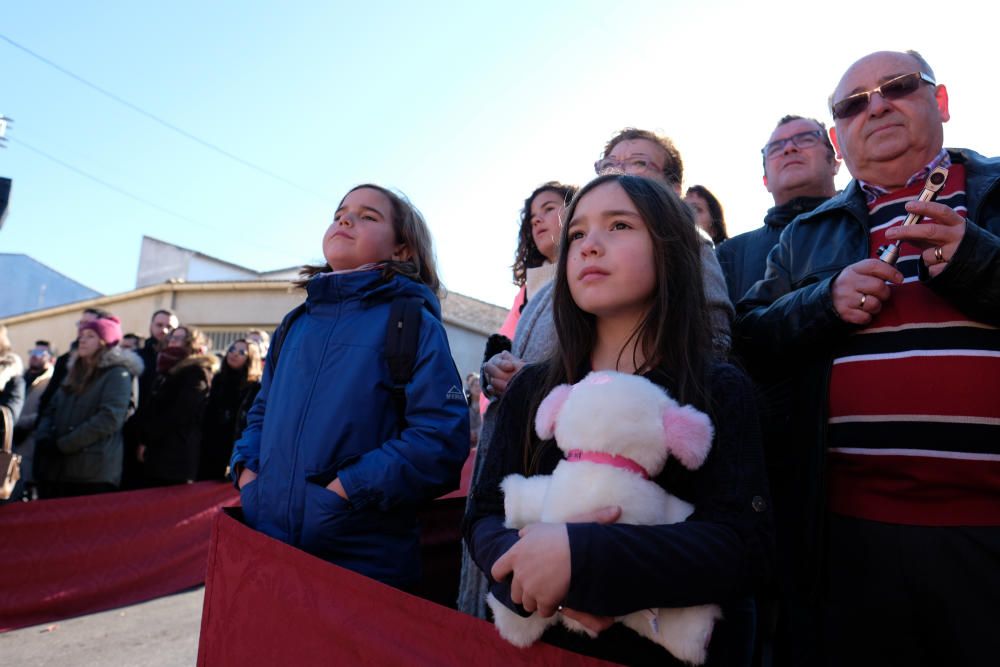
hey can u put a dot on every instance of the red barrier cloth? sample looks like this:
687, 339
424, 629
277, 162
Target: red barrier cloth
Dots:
79, 555
267, 603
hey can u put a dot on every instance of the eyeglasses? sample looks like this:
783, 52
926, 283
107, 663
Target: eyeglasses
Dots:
39, 353
637, 164
237, 350
800, 140
893, 89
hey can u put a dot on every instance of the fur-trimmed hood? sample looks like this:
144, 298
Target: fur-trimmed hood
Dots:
208, 362
10, 367
127, 359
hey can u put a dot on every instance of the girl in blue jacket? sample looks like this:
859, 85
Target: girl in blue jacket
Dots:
327, 462
628, 297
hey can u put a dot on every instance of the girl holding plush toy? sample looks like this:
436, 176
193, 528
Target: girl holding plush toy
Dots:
628, 299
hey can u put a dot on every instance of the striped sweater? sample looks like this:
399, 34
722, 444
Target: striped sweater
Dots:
914, 408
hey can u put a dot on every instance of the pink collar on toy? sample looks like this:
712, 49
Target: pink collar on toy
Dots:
607, 459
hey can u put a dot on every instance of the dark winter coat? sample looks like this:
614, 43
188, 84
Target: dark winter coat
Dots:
172, 418
222, 426
325, 410
78, 439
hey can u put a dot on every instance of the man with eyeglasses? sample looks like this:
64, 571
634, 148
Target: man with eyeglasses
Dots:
644, 153
893, 556
799, 167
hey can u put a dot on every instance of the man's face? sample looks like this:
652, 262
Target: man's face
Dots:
161, 325
891, 139
39, 358
796, 172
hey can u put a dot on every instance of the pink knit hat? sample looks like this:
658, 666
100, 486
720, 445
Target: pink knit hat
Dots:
108, 329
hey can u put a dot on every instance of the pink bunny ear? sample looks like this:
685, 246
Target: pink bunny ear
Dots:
548, 411
688, 435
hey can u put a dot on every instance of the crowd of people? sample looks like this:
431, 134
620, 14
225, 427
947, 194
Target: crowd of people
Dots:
117, 412
848, 512
851, 501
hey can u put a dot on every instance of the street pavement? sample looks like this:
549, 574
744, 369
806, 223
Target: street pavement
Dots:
158, 633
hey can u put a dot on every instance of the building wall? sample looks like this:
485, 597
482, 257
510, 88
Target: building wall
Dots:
224, 311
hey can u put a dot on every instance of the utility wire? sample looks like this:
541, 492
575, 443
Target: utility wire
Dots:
111, 186
164, 123
126, 193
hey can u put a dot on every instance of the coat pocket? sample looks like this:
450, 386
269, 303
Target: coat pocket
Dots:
248, 499
330, 524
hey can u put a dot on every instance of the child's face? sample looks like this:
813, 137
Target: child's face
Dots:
546, 223
362, 232
610, 258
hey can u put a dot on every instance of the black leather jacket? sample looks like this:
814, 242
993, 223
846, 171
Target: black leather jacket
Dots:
791, 309
786, 324
743, 258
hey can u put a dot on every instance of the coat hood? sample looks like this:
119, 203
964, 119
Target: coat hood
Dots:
10, 367
370, 287
116, 356
207, 362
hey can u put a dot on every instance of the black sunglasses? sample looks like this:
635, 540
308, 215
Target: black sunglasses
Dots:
237, 350
893, 89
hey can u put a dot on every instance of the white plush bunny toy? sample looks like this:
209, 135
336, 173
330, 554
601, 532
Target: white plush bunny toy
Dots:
616, 432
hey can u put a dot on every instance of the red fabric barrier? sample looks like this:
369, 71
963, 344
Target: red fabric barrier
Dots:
75, 556
269, 604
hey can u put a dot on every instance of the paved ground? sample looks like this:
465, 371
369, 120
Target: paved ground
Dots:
158, 633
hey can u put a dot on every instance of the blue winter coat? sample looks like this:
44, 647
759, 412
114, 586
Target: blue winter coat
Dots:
326, 411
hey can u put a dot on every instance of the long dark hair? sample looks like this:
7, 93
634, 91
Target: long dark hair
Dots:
675, 334
718, 231
410, 229
528, 256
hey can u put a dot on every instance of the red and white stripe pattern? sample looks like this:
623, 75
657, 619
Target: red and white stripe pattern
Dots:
914, 412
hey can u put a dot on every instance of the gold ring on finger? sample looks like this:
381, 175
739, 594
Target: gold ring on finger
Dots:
939, 254
864, 297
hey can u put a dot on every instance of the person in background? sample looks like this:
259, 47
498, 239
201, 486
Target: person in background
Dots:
651, 155
132, 342
472, 394
80, 429
170, 445
59, 372
162, 322
11, 377
263, 340
799, 168
533, 340
708, 213
234, 386
36, 379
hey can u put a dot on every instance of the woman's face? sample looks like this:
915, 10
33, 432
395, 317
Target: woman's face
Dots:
88, 343
236, 356
177, 337
702, 216
546, 222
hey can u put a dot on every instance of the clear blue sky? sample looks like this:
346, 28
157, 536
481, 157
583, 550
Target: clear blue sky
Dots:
465, 107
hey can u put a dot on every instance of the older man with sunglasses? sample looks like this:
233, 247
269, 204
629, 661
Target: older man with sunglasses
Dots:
894, 550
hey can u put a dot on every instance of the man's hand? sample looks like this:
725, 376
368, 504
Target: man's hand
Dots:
540, 563
337, 488
246, 476
860, 290
938, 240
499, 370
